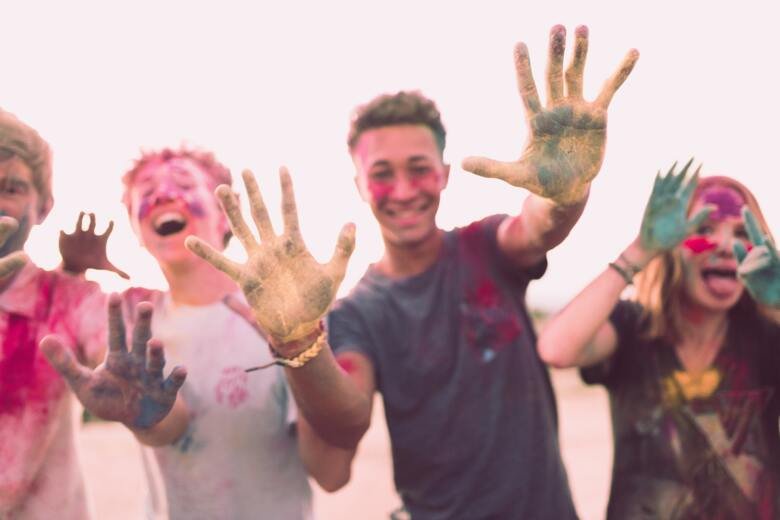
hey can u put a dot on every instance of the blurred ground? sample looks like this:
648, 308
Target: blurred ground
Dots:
112, 463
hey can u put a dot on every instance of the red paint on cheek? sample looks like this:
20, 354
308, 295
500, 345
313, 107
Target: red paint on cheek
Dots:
698, 244
380, 191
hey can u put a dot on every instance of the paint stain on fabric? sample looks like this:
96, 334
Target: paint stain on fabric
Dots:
232, 389
26, 378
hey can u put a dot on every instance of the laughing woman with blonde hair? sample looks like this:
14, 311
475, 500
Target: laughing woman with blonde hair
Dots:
692, 361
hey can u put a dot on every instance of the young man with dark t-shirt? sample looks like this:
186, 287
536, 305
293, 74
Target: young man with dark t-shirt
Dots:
438, 325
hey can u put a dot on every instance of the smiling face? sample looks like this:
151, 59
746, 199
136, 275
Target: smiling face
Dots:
400, 173
169, 200
709, 266
18, 199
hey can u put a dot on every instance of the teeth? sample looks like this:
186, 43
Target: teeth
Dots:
169, 216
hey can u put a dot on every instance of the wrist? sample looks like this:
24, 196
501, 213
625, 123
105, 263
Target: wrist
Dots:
636, 255
290, 349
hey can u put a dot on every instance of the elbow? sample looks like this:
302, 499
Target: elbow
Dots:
335, 479
550, 354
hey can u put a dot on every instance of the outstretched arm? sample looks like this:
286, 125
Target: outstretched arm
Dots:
129, 386
581, 334
84, 249
289, 292
564, 152
11, 262
759, 269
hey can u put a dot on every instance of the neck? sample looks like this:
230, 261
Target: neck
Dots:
703, 328
402, 260
197, 283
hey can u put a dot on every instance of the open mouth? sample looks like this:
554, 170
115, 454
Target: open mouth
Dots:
718, 272
169, 223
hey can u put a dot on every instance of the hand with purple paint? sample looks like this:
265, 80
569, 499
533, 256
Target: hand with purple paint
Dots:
84, 249
129, 386
665, 223
568, 137
11, 262
759, 268
288, 290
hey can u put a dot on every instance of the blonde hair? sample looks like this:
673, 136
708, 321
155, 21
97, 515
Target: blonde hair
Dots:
659, 287
30, 147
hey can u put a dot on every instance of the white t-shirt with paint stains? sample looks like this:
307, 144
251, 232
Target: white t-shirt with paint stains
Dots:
239, 457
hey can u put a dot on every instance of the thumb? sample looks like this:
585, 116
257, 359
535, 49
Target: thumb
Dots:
114, 269
700, 216
485, 167
63, 360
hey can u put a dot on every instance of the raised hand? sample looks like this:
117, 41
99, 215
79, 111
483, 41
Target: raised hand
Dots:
82, 250
759, 269
567, 138
129, 386
289, 291
665, 223
11, 262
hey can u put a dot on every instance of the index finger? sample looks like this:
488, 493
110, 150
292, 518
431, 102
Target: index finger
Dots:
753, 229
117, 340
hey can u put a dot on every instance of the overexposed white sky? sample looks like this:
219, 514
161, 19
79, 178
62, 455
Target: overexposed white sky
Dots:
265, 85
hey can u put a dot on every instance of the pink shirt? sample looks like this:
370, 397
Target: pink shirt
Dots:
39, 471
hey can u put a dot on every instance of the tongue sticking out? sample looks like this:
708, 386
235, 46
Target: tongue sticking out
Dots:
721, 286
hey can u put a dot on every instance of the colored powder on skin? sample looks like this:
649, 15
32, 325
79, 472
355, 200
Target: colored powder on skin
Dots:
149, 203
727, 202
347, 365
379, 191
698, 244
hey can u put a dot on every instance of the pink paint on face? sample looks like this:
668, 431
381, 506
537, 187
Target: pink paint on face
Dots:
380, 191
168, 193
698, 244
231, 390
727, 201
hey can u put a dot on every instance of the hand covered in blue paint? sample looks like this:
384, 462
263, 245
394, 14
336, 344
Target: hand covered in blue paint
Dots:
288, 290
665, 223
84, 249
759, 269
129, 386
568, 137
14, 261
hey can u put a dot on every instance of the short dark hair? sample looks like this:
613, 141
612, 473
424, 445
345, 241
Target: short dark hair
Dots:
402, 108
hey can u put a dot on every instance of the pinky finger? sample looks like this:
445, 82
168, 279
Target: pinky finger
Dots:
174, 381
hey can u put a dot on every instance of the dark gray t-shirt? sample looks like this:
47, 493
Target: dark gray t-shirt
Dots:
468, 402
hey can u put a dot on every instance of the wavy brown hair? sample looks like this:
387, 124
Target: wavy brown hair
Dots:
659, 287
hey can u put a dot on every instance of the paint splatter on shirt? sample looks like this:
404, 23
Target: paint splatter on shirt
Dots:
693, 445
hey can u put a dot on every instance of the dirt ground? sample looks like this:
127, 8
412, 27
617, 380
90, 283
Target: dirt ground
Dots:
112, 463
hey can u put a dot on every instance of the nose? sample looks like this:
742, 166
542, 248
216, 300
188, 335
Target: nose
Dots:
404, 189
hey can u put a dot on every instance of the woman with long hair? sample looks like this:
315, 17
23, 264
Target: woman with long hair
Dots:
692, 361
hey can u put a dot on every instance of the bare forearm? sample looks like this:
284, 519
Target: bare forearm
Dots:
337, 408
167, 431
542, 225
571, 338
